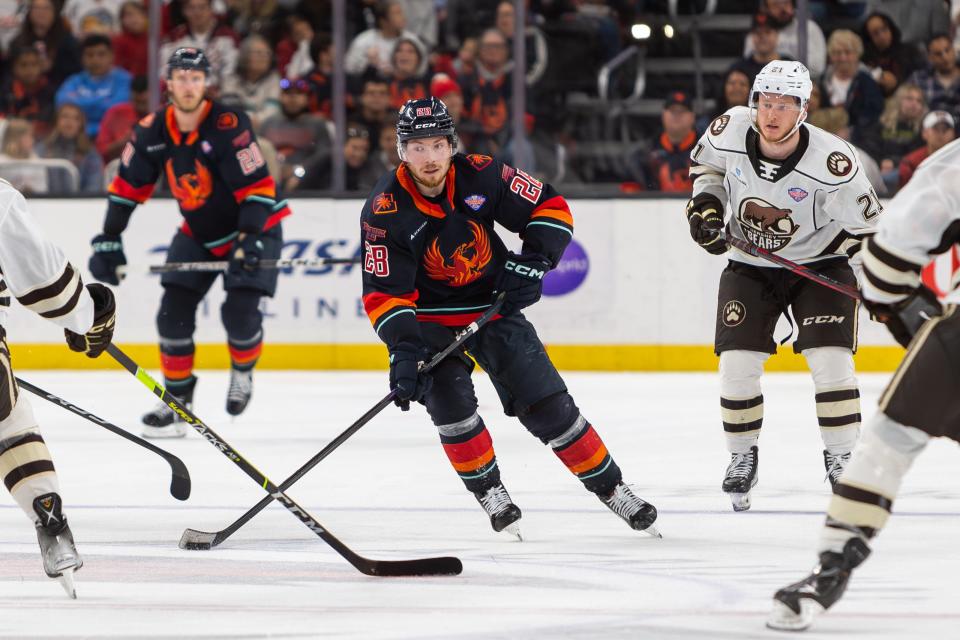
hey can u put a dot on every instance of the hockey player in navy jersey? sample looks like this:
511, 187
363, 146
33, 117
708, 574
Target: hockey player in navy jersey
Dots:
432, 264
210, 159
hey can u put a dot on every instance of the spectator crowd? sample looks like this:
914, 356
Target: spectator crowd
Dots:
73, 81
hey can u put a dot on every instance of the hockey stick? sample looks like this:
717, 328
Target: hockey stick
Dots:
420, 567
179, 483
799, 269
221, 265
203, 540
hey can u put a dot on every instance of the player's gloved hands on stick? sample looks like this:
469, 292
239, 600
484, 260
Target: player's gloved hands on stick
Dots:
905, 318
521, 280
97, 339
107, 262
246, 254
705, 216
405, 377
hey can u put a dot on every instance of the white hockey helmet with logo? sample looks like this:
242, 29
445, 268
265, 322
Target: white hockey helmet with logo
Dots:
784, 78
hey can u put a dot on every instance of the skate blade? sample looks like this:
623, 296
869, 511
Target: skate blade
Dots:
783, 618
66, 581
740, 501
513, 529
653, 532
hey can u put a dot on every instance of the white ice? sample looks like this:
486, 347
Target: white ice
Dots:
390, 493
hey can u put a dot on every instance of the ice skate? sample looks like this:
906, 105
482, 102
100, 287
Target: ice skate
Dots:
163, 421
835, 463
741, 478
504, 515
637, 513
795, 606
57, 549
241, 388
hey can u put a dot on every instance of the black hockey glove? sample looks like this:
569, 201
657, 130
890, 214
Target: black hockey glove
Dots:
705, 216
97, 339
522, 281
905, 318
405, 377
245, 257
108, 261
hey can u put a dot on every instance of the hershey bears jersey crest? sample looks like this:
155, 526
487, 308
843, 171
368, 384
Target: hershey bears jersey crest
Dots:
808, 206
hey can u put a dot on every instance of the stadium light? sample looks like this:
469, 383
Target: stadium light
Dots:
668, 30
640, 31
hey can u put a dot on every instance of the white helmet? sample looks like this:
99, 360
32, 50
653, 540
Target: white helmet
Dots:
785, 78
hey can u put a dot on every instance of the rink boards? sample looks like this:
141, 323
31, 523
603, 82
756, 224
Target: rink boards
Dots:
632, 293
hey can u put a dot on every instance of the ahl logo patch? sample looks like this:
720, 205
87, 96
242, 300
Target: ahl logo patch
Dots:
719, 124
384, 203
475, 201
733, 313
797, 193
838, 164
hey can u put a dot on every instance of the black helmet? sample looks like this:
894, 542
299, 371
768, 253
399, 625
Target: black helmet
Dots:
425, 118
188, 58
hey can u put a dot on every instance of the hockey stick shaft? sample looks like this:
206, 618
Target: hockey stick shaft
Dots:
425, 566
799, 269
200, 540
221, 265
180, 481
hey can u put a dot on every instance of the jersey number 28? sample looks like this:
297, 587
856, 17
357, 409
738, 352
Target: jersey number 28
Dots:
375, 260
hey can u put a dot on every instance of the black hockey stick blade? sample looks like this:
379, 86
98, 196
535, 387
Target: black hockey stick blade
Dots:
419, 567
180, 480
195, 540
443, 566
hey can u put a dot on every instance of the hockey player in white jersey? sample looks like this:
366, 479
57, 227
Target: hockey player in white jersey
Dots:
38, 276
797, 191
921, 400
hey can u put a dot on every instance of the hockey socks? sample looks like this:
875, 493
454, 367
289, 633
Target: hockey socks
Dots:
470, 450
742, 419
27, 469
838, 412
583, 452
245, 353
176, 363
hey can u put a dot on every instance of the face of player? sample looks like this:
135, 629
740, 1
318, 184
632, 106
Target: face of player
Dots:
428, 160
97, 60
879, 33
187, 88
69, 122
777, 115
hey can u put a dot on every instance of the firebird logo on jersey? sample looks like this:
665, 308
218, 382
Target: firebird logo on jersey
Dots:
226, 121
384, 203
190, 189
479, 161
466, 263
765, 225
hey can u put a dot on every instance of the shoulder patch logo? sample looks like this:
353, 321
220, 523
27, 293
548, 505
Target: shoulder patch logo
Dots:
242, 140
797, 193
719, 124
384, 203
147, 120
479, 161
373, 234
227, 121
475, 201
839, 164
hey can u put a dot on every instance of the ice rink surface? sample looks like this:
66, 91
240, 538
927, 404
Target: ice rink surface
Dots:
389, 493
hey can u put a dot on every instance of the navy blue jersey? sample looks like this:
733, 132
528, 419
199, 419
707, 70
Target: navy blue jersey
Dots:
217, 173
437, 259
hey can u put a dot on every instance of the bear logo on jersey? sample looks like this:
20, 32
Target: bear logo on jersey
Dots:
465, 264
838, 164
733, 313
765, 225
719, 124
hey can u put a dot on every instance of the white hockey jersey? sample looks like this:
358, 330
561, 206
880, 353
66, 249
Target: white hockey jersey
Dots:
921, 221
812, 205
35, 271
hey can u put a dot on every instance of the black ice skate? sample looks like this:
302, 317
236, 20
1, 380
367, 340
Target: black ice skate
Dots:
637, 513
57, 549
834, 463
795, 606
163, 421
741, 478
504, 515
241, 388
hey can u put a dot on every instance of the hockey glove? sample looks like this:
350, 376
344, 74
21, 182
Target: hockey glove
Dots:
905, 318
108, 261
521, 280
405, 378
705, 216
246, 254
97, 339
